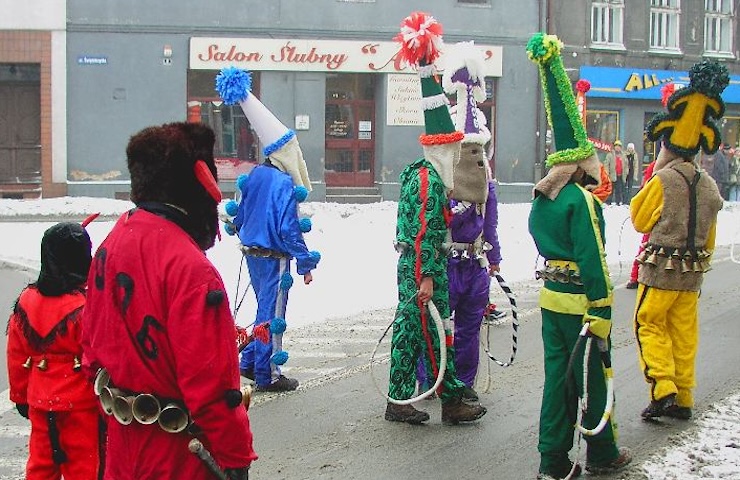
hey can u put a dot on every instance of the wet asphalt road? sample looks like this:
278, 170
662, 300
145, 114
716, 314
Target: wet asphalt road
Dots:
332, 427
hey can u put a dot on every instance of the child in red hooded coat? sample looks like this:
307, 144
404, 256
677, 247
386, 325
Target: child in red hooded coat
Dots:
44, 359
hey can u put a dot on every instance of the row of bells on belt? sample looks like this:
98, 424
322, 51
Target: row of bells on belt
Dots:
686, 261
43, 364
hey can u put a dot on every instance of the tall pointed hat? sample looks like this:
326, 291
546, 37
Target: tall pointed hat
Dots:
464, 77
234, 85
421, 41
572, 147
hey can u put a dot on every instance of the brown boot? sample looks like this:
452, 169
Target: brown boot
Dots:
456, 411
405, 413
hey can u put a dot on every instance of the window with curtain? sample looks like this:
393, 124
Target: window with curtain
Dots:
664, 24
607, 20
718, 23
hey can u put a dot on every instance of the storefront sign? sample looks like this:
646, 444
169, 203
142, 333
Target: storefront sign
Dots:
643, 84
313, 55
404, 101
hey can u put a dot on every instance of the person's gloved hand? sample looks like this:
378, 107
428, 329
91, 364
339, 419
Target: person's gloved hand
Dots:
22, 409
599, 321
237, 473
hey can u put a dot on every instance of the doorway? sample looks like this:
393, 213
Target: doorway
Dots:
20, 125
350, 130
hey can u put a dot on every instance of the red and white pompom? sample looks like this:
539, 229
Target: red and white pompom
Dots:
420, 38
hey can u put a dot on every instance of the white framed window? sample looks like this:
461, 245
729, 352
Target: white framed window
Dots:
664, 24
607, 20
718, 23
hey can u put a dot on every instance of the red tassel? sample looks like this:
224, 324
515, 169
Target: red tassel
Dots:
665, 93
205, 177
262, 332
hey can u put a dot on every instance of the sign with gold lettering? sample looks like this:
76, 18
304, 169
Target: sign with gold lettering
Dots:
643, 84
313, 55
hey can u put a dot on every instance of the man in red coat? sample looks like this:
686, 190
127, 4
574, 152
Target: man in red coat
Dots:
44, 360
158, 317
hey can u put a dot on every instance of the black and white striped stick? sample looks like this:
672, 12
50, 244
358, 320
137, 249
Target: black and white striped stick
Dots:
514, 324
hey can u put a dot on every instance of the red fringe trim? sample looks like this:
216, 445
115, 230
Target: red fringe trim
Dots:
441, 138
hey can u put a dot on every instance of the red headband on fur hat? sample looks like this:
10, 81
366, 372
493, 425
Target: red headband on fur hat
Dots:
173, 164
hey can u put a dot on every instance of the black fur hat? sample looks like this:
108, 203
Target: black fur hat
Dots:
162, 164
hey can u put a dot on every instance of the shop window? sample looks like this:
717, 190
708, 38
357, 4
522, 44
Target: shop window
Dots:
649, 148
718, 26
664, 23
602, 125
730, 128
607, 19
237, 145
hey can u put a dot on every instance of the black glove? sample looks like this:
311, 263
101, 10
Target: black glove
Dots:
237, 473
22, 409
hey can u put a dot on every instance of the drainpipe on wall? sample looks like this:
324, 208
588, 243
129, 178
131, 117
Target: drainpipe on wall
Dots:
539, 164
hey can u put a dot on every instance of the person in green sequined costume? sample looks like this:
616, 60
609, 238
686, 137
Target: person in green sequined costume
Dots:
420, 231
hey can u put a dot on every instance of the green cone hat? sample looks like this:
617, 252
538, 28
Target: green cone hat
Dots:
571, 142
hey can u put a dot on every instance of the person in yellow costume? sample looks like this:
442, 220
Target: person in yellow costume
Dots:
682, 236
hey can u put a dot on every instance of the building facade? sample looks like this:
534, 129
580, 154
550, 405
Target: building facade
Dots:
326, 68
628, 49
32, 99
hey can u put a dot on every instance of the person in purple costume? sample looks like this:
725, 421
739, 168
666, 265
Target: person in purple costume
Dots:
473, 245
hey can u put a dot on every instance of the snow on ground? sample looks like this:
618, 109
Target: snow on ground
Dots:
357, 273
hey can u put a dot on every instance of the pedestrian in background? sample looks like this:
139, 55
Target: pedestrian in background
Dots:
734, 177
633, 171
616, 164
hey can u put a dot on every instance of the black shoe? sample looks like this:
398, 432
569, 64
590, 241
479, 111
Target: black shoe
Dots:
282, 384
631, 285
470, 395
657, 408
405, 414
561, 474
681, 413
247, 373
616, 465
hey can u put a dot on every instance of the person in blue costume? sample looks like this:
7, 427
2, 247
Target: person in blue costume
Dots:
270, 231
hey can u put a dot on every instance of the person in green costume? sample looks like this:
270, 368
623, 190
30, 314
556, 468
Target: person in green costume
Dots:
567, 226
421, 229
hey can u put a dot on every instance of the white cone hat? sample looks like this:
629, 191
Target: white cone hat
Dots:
280, 143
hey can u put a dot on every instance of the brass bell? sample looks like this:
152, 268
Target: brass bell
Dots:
27, 363
42, 365
669, 263
652, 259
698, 267
640, 259
76, 364
686, 265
